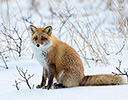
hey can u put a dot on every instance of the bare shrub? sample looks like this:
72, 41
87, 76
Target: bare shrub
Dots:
92, 42
24, 78
120, 72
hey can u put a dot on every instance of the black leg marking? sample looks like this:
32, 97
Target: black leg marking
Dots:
50, 81
42, 82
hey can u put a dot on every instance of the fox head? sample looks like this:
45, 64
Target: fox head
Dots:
40, 36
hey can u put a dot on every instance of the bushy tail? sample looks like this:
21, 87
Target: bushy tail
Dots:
103, 79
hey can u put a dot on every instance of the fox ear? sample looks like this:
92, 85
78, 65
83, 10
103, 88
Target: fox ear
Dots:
32, 29
48, 30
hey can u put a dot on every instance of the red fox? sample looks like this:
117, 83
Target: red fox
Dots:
63, 62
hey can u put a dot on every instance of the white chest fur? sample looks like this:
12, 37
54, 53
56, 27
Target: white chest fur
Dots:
39, 54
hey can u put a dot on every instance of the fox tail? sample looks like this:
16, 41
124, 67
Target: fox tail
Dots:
103, 79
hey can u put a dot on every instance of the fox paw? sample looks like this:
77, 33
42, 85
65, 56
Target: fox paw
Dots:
56, 86
38, 86
43, 87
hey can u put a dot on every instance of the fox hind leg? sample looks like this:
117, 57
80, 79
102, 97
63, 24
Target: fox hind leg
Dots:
68, 79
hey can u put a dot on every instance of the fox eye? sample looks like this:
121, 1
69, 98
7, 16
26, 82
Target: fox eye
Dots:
35, 38
43, 38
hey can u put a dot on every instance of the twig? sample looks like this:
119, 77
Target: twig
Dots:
27, 20
6, 66
16, 85
105, 51
96, 60
121, 72
121, 48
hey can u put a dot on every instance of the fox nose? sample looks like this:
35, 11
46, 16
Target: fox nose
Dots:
38, 45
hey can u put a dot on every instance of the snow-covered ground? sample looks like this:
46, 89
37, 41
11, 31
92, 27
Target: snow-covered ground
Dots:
8, 91
100, 31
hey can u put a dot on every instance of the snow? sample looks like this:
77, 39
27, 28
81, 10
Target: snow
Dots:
81, 93
8, 91
88, 14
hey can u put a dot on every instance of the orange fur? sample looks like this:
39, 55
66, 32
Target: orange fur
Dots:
65, 63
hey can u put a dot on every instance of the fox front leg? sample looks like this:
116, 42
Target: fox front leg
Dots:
51, 73
44, 78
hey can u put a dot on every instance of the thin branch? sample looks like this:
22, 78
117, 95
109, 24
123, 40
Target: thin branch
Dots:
6, 66
121, 72
121, 48
105, 51
16, 85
